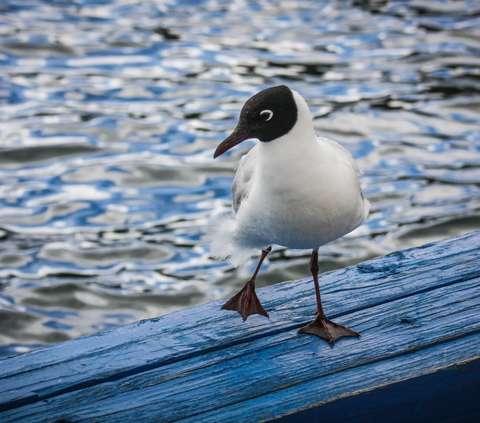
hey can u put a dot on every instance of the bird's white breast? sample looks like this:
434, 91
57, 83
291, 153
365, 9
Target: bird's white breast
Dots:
303, 194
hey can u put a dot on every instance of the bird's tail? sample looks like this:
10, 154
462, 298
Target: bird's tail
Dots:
223, 245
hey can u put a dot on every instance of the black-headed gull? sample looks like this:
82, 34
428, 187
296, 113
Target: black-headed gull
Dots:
292, 189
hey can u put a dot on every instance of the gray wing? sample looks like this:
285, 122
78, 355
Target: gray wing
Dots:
347, 157
243, 178
343, 153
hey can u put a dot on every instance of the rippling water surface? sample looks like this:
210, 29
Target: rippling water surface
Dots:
110, 112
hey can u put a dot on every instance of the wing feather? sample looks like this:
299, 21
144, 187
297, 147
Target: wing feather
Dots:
348, 159
243, 178
342, 153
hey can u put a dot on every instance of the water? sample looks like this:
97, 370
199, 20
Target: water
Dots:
111, 109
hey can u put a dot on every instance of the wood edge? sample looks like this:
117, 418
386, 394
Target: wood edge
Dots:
373, 388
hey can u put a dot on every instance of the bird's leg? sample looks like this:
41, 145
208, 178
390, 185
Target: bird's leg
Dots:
321, 326
246, 301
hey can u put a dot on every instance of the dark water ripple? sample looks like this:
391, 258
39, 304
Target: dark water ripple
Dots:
110, 112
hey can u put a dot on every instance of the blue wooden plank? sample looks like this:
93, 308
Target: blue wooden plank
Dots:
447, 394
146, 345
370, 393
276, 375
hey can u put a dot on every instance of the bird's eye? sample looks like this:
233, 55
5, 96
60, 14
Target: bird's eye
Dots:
266, 114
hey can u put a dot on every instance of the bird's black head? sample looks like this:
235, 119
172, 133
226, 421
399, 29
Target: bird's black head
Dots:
267, 115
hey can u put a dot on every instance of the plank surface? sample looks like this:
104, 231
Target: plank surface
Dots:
443, 326
421, 302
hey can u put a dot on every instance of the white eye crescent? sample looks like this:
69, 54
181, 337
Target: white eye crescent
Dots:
269, 113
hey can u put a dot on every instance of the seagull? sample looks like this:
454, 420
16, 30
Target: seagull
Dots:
291, 189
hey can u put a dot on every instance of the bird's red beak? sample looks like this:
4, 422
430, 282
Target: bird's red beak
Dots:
236, 137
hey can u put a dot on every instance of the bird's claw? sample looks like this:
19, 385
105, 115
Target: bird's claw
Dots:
246, 302
328, 330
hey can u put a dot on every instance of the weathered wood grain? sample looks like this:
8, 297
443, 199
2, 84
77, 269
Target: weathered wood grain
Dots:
272, 376
188, 334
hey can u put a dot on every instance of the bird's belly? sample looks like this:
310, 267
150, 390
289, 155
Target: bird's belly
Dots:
303, 216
